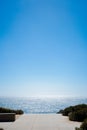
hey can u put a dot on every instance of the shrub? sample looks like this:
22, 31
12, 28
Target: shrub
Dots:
19, 112
72, 109
67, 110
79, 107
84, 125
79, 115
6, 110
61, 111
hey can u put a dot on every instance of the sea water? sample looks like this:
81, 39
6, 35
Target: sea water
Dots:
38, 105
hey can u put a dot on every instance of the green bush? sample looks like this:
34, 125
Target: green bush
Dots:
19, 112
79, 115
67, 110
60, 112
79, 107
72, 109
84, 125
6, 110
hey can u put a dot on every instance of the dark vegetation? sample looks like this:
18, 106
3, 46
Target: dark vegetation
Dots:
77, 113
7, 110
83, 125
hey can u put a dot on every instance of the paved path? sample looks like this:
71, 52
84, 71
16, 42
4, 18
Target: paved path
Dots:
41, 122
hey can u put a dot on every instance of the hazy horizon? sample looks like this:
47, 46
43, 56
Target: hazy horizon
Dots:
43, 48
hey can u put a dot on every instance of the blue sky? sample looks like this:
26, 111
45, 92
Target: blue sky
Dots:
43, 47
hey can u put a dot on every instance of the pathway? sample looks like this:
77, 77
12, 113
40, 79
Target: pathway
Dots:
41, 122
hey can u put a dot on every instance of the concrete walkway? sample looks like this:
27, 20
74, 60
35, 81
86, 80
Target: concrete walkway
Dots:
41, 122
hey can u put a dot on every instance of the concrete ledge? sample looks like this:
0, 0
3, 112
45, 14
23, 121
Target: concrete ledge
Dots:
7, 117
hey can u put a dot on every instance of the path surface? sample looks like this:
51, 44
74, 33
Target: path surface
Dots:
41, 122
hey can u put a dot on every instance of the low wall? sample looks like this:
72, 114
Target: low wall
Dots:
7, 117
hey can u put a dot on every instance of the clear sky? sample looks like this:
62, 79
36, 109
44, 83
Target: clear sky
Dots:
43, 47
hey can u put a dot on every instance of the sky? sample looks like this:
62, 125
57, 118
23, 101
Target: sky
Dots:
43, 48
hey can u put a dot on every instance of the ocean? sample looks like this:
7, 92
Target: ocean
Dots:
41, 105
